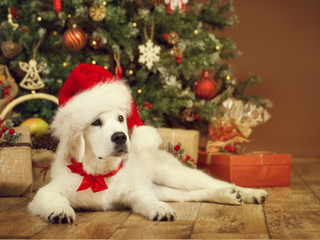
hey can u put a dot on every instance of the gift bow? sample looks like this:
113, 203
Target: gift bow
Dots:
96, 182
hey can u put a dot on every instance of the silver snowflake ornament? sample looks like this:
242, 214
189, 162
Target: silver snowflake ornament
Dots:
149, 54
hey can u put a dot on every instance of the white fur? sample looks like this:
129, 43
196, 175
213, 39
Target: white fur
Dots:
148, 178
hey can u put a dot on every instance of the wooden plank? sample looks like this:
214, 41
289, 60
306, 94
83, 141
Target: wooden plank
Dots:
16, 222
225, 221
87, 225
139, 227
293, 224
8, 202
293, 212
309, 170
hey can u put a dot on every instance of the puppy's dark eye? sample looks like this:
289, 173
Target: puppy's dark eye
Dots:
96, 123
120, 118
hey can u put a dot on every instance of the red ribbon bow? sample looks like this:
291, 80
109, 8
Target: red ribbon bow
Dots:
96, 182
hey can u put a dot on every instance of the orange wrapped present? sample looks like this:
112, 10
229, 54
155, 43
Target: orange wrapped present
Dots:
248, 170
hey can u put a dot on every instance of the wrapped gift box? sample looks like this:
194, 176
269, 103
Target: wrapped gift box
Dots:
248, 170
189, 139
16, 166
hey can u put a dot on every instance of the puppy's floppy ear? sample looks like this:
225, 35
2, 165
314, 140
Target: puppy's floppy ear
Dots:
78, 148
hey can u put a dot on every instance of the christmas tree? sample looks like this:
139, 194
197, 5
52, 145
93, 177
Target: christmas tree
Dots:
171, 52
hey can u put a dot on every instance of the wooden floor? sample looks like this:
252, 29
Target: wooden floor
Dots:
291, 212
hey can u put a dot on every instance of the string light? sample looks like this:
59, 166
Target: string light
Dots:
139, 91
39, 19
54, 33
130, 72
134, 24
69, 15
106, 67
64, 64
93, 62
104, 3
217, 47
94, 42
228, 77
33, 92
196, 31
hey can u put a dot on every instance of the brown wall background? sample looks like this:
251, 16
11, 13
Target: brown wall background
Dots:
280, 42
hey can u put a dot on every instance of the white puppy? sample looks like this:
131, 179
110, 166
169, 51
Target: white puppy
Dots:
147, 178
96, 168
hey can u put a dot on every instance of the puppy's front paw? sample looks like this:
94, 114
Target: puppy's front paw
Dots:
62, 215
254, 195
227, 195
162, 212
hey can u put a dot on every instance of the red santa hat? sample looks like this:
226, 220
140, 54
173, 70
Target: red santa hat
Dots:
89, 91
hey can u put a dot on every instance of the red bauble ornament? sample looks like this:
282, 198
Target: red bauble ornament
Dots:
177, 147
57, 5
179, 59
205, 87
11, 131
74, 39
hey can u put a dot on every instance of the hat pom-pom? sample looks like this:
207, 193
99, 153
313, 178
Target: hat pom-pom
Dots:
145, 138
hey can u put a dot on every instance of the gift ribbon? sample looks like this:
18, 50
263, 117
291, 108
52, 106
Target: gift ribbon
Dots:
260, 153
16, 145
44, 169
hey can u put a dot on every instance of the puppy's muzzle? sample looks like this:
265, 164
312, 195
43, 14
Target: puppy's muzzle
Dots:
119, 139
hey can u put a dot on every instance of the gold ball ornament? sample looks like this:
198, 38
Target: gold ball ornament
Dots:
98, 12
74, 39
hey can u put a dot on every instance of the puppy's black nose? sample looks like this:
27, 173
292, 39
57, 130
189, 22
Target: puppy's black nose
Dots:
119, 138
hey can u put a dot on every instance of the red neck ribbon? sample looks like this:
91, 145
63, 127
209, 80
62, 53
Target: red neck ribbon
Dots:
96, 182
